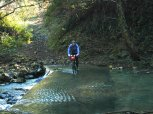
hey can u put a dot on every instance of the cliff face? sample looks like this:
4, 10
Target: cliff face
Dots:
98, 27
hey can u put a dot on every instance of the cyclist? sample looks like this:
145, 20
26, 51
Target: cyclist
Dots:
74, 49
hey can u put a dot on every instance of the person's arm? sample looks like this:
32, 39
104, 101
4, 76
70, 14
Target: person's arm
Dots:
68, 51
78, 50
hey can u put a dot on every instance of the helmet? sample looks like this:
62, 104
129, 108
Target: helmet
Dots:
73, 41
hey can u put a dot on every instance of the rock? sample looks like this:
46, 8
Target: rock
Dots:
6, 74
115, 67
16, 66
7, 99
1, 70
39, 70
19, 80
5, 92
20, 77
2, 96
29, 76
4, 78
22, 73
7, 95
15, 75
21, 89
11, 101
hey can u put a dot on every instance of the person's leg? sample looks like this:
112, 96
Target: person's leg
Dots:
77, 62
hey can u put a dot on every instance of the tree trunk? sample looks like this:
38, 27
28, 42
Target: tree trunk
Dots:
125, 35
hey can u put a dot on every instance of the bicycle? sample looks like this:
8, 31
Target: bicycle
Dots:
74, 66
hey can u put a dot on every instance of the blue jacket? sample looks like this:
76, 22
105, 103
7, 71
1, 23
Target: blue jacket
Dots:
73, 50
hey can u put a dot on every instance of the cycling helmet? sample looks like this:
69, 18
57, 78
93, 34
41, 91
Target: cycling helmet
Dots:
73, 41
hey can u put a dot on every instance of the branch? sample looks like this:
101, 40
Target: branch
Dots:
14, 10
7, 4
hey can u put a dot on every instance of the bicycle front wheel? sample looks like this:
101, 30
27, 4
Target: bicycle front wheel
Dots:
74, 68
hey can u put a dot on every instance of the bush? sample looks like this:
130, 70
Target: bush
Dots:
13, 34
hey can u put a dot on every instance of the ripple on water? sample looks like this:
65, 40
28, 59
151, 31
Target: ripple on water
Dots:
49, 96
69, 71
96, 85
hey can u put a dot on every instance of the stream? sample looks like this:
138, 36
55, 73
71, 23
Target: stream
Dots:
95, 90
11, 93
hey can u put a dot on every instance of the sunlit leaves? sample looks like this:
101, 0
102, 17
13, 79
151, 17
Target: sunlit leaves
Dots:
73, 6
13, 32
7, 40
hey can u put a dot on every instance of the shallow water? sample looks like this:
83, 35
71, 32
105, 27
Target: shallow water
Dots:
17, 90
95, 90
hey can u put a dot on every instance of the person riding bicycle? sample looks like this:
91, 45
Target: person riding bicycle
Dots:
74, 49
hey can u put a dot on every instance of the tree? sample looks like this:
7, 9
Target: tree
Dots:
124, 32
15, 4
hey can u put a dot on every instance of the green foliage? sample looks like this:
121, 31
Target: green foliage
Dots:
13, 34
26, 12
58, 2
7, 40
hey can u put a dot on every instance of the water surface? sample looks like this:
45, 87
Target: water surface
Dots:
95, 90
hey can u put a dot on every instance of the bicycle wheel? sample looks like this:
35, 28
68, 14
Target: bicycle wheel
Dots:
74, 68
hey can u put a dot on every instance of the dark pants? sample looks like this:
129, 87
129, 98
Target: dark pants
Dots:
77, 61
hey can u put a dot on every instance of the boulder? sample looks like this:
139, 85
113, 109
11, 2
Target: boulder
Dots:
20, 77
4, 78
38, 70
22, 73
29, 76
19, 80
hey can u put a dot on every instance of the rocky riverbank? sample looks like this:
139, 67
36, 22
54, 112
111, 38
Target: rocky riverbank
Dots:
15, 71
11, 93
19, 68
18, 75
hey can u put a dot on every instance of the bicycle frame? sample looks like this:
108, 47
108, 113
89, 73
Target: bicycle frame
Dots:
74, 67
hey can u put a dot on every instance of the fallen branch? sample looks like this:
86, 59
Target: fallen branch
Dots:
14, 10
